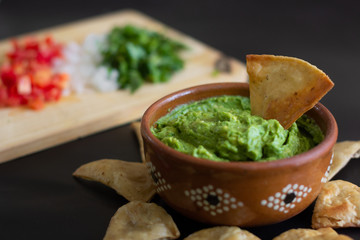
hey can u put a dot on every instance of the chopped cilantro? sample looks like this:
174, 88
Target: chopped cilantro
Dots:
141, 55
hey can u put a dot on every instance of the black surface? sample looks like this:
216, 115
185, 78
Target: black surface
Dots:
39, 199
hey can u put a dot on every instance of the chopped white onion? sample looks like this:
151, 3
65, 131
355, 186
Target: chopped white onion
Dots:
82, 64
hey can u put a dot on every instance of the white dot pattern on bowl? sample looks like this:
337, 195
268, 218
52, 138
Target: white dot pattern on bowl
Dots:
324, 179
287, 198
159, 181
213, 200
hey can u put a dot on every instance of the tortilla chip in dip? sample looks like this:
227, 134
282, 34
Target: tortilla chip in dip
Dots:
311, 234
343, 153
338, 205
129, 179
284, 88
222, 233
139, 220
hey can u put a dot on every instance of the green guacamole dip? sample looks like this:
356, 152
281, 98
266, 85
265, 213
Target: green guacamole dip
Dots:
223, 129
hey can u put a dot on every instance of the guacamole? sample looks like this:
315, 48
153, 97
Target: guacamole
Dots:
223, 129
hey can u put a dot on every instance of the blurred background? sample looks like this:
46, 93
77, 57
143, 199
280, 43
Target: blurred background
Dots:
324, 33
37, 193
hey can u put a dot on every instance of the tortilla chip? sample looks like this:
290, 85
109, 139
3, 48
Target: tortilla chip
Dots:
138, 220
284, 88
343, 152
223, 233
310, 234
338, 205
136, 127
129, 179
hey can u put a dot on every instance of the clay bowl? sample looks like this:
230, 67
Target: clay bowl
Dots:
235, 193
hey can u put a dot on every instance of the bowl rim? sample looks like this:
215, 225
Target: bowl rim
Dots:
318, 151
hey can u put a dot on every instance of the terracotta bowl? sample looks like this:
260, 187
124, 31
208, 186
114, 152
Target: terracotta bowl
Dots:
235, 193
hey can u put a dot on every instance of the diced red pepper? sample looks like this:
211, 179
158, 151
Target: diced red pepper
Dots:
27, 78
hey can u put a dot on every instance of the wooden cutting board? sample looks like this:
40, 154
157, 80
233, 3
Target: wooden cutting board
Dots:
24, 131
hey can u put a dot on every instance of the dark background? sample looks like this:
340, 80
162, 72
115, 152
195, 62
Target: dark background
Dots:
38, 197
